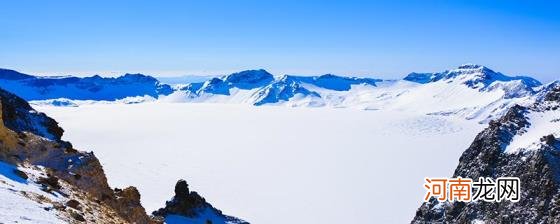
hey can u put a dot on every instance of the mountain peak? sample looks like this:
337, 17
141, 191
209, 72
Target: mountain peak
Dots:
470, 66
249, 78
472, 75
8, 74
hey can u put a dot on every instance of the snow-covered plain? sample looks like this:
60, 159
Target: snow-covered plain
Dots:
273, 164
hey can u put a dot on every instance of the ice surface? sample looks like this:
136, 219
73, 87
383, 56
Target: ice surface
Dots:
273, 164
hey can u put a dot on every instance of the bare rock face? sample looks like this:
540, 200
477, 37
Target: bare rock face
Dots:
537, 170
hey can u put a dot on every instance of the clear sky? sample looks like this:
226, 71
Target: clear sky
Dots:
385, 39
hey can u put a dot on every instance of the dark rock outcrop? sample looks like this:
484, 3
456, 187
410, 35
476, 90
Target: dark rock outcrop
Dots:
191, 205
19, 116
553, 94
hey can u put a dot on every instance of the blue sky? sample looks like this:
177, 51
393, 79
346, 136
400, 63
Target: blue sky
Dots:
386, 39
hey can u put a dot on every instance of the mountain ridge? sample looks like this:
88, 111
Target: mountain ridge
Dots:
478, 75
94, 87
469, 91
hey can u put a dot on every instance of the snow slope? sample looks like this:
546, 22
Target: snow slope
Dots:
542, 123
19, 203
273, 164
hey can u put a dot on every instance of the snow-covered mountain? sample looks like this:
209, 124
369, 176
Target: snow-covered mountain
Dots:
474, 76
469, 91
472, 92
89, 88
258, 87
523, 143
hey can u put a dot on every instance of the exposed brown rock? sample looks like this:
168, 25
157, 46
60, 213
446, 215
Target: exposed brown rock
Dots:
73, 204
128, 205
50, 182
77, 216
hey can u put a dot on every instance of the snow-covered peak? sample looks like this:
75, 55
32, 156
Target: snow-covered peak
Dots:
474, 76
472, 73
245, 80
544, 91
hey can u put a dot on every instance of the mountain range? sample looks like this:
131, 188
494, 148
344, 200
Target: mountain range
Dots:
95, 87
468, 91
